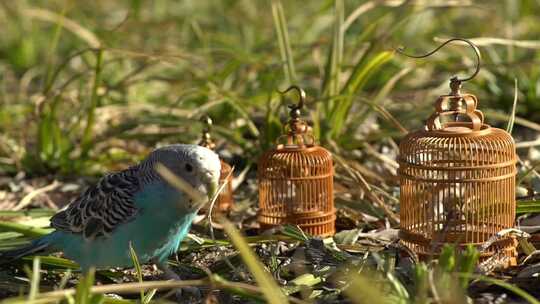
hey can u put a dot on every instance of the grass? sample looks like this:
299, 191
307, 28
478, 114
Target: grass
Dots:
90, 88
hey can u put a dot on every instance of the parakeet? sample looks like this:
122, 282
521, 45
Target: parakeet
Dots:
134, 206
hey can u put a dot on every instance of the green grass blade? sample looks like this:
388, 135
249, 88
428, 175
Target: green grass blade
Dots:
362, 72
53, 45
294, 232
467, 261
9, 236
64, 280
56, 262
529, 206
149, 295
398, 287
138, 269
94, 101
269, 287
272, 127
300, 282
512, 118
31, 213
510, 287
48, 16
23, 229
283, 41
389, 85
83, 293
361, 289
360, 10
528, 171
421, 279
45, 140
35, 279
335, 57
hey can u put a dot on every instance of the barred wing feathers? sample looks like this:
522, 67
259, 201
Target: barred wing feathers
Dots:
102, 207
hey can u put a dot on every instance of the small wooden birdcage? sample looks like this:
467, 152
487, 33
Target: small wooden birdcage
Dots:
224, 201
457, 180
296, 180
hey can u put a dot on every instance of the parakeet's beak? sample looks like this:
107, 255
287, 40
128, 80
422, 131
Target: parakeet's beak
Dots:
212, 188
180, 184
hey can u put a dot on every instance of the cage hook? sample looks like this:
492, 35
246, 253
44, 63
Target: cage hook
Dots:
206, 138
295, 108
207, 121
455, 82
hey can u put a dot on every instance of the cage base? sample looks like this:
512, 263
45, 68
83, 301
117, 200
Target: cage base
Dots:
506, 248
322, 230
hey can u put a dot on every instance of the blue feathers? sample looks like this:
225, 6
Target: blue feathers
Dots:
41, 245
135, 206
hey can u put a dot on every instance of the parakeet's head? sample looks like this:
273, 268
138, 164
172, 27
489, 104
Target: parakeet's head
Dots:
199, 166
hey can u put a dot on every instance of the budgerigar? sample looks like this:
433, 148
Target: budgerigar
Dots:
134, 206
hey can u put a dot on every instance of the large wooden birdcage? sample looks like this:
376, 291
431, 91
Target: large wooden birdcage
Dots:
457, 180
296, 181
225, 200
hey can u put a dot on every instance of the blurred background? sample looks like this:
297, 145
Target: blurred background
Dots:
87, 87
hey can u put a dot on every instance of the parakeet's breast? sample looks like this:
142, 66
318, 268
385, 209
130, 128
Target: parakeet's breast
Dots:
155, 233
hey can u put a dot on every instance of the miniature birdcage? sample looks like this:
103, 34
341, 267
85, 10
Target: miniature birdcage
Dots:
457, 179
296, 180
224, 201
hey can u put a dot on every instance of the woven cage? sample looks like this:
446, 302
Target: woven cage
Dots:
296, 182
224, 201
457, 181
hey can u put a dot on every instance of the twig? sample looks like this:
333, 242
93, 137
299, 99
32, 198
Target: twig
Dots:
25, 201
135, 287
528, 144
518, 120
487, 41
210, 210
70, 25
433, 288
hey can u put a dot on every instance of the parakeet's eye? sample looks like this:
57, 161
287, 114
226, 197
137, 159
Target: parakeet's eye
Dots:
188, 167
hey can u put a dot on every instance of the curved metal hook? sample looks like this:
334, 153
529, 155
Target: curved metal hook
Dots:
207, 121
301, 94
206, 138
474, 47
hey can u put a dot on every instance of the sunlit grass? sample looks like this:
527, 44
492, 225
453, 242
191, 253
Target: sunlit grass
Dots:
89, 88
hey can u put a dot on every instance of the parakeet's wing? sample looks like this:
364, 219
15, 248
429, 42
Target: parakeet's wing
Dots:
102, 207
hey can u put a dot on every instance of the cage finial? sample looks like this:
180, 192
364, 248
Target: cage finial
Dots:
452, 172
295, 108
206, 138
297, 128
455, 82
296, 179
225, 199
